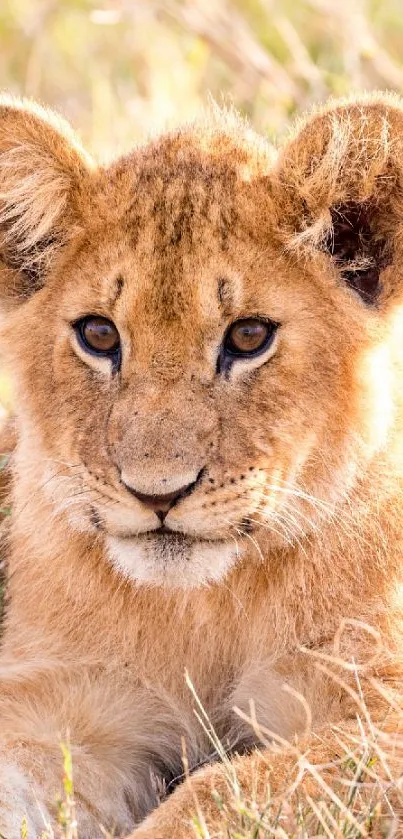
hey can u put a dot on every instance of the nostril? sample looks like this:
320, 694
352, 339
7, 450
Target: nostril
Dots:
159, 504
162, 503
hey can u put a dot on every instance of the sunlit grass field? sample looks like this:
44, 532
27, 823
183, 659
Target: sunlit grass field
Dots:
365, 803
119, 69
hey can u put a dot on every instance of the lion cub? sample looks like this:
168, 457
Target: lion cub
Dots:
206, 343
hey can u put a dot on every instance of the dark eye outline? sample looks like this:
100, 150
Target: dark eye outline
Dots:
227, 357
115, 355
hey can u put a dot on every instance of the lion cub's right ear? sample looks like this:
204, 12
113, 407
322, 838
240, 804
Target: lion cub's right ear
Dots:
338, 189
42, 171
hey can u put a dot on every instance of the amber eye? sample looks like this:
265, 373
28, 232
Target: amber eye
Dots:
247, 337
98, 335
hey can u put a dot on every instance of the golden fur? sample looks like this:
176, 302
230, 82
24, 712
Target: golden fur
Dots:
292, 534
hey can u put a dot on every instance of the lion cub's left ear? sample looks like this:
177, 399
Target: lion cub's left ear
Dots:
338, 191
42, 171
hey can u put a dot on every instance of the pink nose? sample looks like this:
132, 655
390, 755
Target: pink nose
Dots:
161, 504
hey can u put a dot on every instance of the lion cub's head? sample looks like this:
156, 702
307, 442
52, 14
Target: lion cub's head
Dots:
199, 332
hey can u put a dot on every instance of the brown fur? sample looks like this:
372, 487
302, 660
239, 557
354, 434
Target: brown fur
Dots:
294, 528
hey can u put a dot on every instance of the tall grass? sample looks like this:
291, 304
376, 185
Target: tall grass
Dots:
121, 68
365, 803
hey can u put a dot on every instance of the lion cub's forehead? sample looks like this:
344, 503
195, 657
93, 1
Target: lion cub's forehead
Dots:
185, 187
176, 211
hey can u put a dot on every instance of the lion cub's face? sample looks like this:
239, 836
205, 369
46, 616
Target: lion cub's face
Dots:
198, 394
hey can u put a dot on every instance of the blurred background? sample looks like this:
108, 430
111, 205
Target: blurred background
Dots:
122, 69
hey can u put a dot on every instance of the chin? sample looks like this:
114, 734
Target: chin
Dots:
172, 560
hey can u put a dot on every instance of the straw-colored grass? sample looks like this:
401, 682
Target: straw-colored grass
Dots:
368, 792
121, 68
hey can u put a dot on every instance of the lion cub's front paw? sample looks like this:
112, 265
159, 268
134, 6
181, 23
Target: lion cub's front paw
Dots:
174, 817
18, 803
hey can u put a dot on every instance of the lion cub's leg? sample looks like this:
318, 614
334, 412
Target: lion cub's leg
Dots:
115, 737
276, 782
18, 801
31, 787
31, 773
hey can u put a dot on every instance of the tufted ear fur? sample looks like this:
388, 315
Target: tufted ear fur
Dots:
42, 168
338, 190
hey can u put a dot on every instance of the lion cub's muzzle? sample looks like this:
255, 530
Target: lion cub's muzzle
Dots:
180, 537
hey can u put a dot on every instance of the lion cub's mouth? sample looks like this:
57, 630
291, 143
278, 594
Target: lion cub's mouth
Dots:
165, 531
168, 558
166, 534
161, 533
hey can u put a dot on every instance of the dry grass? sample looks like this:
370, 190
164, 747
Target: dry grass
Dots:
121, 68
363, 806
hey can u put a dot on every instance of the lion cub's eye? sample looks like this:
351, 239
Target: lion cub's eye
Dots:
98, 335
249, 336
246, 338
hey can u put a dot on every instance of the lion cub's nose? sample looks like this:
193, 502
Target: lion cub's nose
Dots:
161, 504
